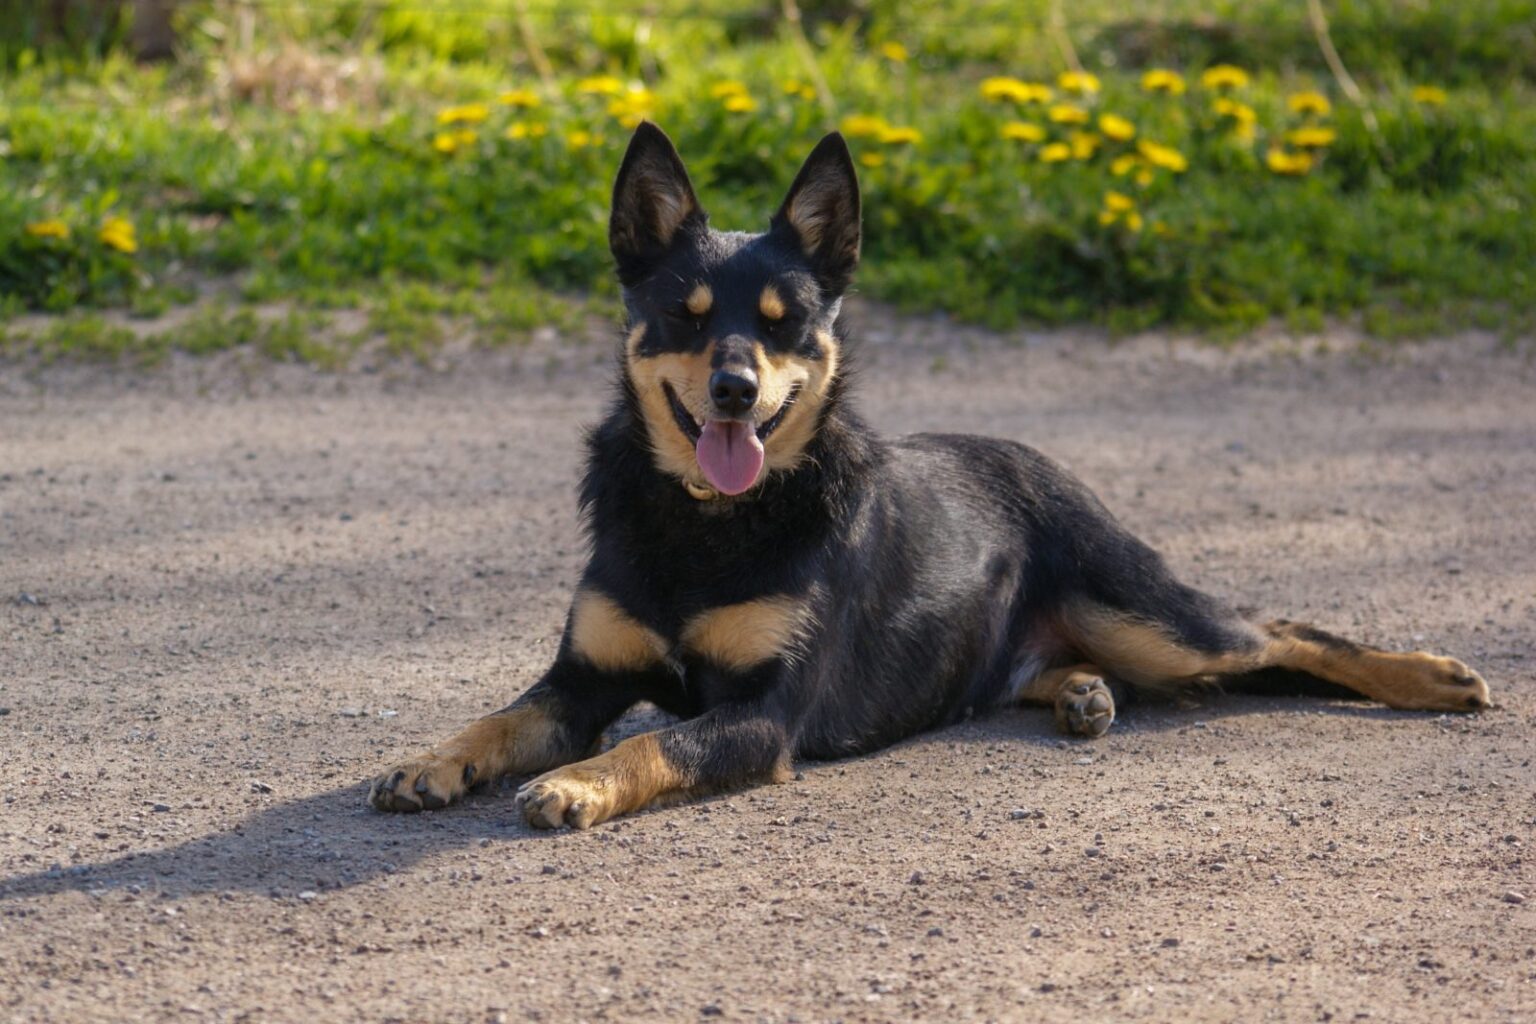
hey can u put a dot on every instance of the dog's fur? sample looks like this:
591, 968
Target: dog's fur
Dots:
862, 589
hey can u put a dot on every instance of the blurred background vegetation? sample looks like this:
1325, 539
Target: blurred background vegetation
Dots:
308, 176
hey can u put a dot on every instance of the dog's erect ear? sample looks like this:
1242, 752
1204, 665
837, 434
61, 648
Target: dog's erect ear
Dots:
821, 212
652, 200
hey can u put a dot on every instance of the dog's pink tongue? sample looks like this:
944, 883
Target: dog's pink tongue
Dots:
730, 455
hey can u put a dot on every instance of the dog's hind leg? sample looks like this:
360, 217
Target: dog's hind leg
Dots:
1197, 641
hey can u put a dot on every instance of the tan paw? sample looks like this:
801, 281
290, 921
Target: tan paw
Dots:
428, 782
573, 796
1085, 706
1434, 683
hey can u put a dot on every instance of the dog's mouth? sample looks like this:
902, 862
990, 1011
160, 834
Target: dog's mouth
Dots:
729, 452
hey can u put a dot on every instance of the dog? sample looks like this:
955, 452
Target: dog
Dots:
791, 585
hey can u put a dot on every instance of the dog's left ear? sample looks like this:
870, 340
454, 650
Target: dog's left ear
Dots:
652, 201
821, 213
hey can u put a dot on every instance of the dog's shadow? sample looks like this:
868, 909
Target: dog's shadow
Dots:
333, 840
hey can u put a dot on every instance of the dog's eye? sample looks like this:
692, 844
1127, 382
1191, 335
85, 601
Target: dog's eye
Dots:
685, 317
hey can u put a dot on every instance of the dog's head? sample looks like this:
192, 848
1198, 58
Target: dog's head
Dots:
731, 355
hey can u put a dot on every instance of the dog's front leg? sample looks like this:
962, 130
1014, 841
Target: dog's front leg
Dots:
728, 747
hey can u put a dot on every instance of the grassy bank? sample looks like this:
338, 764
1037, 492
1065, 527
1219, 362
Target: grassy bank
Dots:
1205, 171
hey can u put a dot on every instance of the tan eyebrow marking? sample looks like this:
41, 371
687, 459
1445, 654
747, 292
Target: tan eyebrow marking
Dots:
770, 303
700, 299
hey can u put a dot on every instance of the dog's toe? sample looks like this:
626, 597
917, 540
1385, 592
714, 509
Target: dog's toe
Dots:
429, 783
1085, 707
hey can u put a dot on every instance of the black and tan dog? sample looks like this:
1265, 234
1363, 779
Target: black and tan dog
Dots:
791, 585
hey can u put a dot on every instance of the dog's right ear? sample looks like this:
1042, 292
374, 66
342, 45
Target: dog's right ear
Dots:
652, 201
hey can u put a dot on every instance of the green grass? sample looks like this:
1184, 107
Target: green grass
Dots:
308, 163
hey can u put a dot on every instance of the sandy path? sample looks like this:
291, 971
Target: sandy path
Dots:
243, 599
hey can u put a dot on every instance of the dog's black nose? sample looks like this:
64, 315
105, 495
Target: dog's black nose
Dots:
734, 391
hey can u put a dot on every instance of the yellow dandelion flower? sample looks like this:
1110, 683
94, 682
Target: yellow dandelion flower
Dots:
1023, 131
600, 85
1108, 217
47, 229
1242, 113
633, 107
1124, 164
580, 139
894, 51
469, 113
740, 104
1144, 177
117, 233
519, 130
1133, 222
1281, 162
1223, 76
1055, 153
1163, 80
729, 87
525, 98
858, 126
807, 92
792, 87
446, 142
1067, 113
1118, 202
1078, 81
1084, 145
1429, 95
872, 159
1309, 103
1166, 157
901, 136
1311, 138
1013, 90
1116, 128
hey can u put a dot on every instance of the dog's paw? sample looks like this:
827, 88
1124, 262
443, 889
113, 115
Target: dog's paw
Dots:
570, 796
1085, 706
1435, 683
428, 783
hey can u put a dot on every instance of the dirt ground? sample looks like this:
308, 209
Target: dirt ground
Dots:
230, 593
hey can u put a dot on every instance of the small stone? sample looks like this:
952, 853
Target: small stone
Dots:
1018, 813
712, 1010
160, 808
1170, 943
4, 712
935, 932
260, 787
549, 869
1092, 851
351, 712
308, 895
1514, 896
917, 878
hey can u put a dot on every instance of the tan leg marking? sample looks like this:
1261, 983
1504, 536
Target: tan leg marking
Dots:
1081, 699
625, 779
517, 741
1419, 681
1144, 654
740, 636
607, 637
